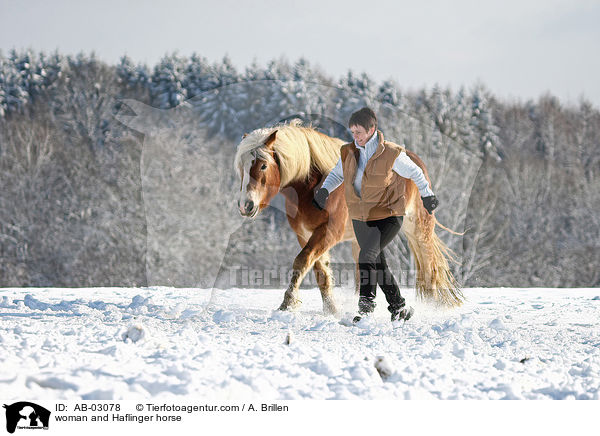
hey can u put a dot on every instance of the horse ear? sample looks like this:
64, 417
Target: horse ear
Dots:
271, 139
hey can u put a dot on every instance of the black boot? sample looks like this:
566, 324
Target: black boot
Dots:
366, 306
360, 316
402, 313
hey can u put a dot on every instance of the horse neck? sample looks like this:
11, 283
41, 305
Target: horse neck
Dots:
301, 188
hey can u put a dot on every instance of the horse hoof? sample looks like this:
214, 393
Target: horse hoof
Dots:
291, 306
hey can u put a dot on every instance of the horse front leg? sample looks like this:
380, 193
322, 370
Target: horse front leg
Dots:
319, 243
291, 301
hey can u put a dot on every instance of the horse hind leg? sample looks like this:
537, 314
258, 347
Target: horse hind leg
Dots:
322, 269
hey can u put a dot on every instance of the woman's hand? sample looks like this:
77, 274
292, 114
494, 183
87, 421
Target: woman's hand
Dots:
430, 203
320, 198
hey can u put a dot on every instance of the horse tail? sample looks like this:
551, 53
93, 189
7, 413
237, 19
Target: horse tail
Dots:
435, 281
437, 223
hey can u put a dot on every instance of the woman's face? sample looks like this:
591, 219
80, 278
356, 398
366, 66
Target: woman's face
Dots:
360, 135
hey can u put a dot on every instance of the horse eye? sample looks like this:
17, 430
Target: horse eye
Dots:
263, 167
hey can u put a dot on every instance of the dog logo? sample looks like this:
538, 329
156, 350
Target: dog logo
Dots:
25, 415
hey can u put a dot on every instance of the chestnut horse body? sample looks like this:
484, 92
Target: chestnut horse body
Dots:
294, 160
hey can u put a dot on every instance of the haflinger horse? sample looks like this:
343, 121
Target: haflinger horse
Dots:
294, 159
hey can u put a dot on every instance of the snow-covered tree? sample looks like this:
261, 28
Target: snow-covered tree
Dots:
132, 76
15, 95
30, 72
355, 91
221, 108
482, 123
200, 76
3, 86
167, 82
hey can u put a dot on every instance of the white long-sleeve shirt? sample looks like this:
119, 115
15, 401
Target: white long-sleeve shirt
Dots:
403, 166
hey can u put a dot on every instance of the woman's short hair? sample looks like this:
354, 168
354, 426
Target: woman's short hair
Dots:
364, 117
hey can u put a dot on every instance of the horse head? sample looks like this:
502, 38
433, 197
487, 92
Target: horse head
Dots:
260, 178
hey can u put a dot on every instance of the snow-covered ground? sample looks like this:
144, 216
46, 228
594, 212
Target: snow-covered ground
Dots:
140, 343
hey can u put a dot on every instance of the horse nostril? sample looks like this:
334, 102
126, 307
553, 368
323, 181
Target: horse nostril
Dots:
249, 205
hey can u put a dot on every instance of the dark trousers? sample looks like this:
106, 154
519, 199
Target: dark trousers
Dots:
372, 237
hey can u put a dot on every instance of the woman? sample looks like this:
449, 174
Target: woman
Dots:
378, 170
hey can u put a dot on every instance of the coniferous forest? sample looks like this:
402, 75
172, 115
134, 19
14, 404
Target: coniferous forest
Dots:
122, 175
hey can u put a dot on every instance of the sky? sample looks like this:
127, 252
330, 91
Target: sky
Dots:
519, 49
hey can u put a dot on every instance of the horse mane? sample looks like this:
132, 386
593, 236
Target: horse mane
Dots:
299, 149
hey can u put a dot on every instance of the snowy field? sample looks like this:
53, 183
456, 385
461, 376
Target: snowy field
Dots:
166, 343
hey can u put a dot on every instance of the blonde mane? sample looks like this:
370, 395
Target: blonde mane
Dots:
299, 148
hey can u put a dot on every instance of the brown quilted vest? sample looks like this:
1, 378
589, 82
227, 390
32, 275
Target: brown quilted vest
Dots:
382, 189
